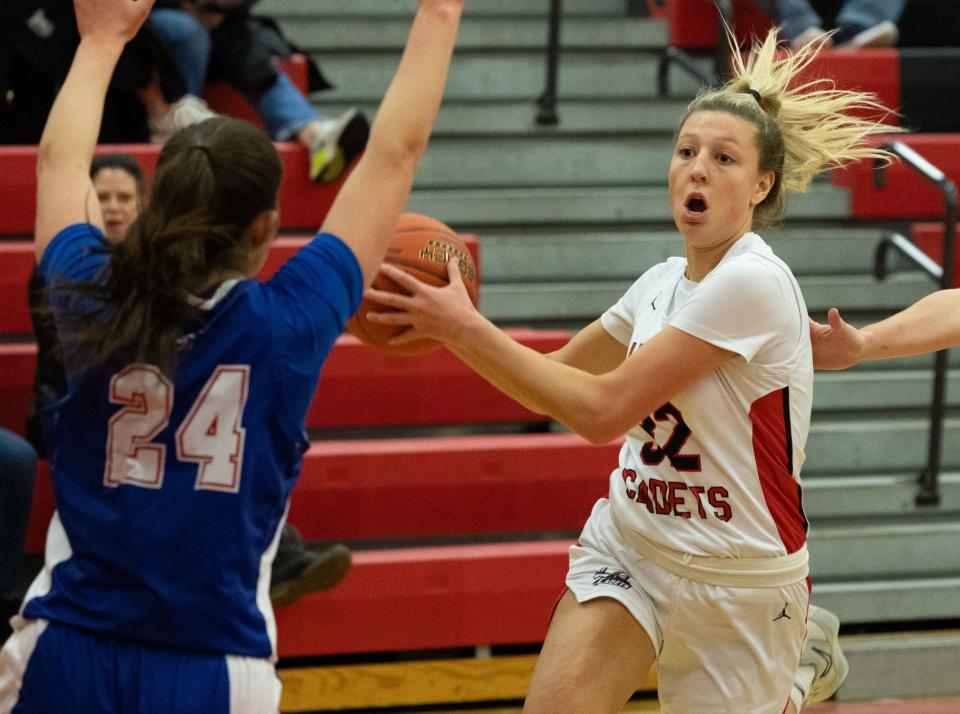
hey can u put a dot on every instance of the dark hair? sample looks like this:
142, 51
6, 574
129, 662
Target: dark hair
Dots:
212, 179
122, 162
117, 160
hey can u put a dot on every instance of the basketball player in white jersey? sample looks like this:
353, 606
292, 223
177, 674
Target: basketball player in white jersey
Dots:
697, 560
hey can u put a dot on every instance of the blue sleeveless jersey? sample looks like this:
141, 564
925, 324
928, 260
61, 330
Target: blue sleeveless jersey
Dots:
170, 492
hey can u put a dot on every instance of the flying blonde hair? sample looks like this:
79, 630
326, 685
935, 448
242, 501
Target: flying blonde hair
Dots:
802, 126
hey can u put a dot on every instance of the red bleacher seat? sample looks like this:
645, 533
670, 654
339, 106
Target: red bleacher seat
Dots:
17, 260
429, 598
694, 24
449, 485
867, 70
905, 193
362, 387
303, 204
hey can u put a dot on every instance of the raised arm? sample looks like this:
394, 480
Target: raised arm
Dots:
930, 324
65, 193
368, 205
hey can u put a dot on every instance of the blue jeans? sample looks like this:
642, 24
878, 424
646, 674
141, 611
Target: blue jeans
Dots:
18, 467
795, 16
282, 107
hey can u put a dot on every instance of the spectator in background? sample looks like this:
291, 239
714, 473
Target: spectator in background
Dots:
37, 41
18, 466
299, 566
220, 39
858, 23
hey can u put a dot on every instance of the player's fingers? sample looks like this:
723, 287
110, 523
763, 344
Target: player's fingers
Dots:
402, 278
390, 318
833, 317
453, 271
384, 297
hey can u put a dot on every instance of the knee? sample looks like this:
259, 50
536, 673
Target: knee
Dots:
559, 699
181, 30
18, 460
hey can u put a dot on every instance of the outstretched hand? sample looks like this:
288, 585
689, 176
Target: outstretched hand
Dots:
434, 313
111, 20
836, 345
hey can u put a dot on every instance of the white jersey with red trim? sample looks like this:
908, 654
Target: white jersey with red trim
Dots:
715, 471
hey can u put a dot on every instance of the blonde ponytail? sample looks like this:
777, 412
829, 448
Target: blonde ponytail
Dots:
802, 126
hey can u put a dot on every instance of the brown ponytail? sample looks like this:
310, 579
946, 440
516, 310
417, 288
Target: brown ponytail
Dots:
212, 179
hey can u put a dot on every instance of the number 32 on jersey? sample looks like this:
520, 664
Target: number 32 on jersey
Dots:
210, 436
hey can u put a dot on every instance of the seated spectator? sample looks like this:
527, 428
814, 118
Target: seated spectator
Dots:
220, 39
18, 466
858, 23
299, 566
37, 41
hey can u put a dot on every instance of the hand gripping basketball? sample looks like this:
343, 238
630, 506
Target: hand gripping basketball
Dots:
423, 254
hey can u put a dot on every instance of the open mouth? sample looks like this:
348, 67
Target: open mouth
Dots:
696, 204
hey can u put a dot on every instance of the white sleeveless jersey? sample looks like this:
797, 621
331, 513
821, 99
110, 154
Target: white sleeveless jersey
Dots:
715, 471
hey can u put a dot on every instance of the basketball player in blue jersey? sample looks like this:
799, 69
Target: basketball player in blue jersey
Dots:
181, 434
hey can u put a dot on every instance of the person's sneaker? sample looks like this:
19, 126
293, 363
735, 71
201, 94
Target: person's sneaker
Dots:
811, 34
821, 650
333, 152
883, 34
187, 110
300, 567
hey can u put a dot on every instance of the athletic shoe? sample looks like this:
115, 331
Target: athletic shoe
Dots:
182, 113
300, 567
883, 34
821, 649
333, 152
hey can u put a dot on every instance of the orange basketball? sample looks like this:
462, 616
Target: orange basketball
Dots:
421, 246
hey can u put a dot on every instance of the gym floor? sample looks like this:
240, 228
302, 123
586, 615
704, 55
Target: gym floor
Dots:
912, 706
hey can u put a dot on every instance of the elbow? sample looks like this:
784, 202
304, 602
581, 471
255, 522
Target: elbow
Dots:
595, 426
599, 436
402, 153
44, 157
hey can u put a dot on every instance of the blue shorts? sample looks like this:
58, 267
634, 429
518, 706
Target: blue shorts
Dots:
67, 669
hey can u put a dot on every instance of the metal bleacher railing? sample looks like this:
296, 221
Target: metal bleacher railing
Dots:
721, 57
928, 492
547, 103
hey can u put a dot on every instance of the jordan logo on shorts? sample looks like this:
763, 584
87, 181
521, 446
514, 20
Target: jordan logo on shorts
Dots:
617, 577
783, 613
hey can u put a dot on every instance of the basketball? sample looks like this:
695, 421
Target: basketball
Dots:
421, 246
